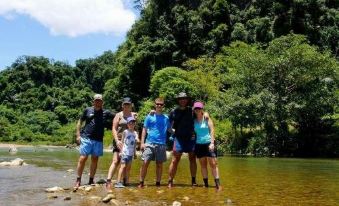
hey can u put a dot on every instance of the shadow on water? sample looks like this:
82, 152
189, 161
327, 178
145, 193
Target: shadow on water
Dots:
245, 181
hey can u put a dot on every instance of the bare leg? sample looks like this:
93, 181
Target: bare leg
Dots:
215, 171
193, 167
203, 164
114, 165
81, 165
93, 166
80, 169
143, 170
127, 171
159, 171
173, 167
121, 172
214, 166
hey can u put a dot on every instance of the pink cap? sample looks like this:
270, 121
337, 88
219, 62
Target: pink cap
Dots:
198, 105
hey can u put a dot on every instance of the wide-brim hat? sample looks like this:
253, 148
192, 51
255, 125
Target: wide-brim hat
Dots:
182, 95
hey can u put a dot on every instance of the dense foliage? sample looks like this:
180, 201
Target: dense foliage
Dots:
269, 91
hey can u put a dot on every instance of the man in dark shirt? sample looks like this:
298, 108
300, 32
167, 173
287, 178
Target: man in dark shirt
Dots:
181, 119
90, 138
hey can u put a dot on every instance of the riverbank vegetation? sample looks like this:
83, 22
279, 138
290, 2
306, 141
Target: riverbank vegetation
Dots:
267, 70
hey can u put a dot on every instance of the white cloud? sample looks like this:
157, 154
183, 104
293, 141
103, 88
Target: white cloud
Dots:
73, 17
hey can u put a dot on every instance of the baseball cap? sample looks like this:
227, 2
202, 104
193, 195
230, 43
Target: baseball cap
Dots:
198, 105
97, 97
130, 119
127, 100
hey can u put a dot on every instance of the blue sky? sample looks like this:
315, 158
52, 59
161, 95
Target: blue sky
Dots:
76, 29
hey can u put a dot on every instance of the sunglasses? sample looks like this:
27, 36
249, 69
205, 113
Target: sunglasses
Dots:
159, 104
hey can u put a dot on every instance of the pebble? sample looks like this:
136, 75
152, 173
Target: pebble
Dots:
89, 188
160, 191
176, 203
108, 198
94, 198
52, 196
67, 198
228, 202
54, 189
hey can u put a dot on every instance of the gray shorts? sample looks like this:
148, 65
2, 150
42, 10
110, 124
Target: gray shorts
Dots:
154, 152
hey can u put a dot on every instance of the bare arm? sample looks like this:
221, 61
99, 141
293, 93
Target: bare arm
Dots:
123, 136
78, 127
211, 127
115, 130
137, 137
143, 135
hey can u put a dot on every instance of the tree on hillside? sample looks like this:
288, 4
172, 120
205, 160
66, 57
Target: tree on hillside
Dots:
288, 84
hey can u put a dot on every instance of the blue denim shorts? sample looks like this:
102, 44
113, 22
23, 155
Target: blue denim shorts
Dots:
91, 147
125, 159
183, 145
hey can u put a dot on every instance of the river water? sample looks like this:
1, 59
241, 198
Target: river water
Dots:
245, 181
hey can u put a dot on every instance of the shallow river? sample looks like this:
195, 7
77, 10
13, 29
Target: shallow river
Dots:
245, 181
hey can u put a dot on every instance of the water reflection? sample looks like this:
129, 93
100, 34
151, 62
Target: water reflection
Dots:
245, 181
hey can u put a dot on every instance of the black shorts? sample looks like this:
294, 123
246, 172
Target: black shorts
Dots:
115, 147
202, 150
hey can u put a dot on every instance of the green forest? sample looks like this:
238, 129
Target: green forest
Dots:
267, 71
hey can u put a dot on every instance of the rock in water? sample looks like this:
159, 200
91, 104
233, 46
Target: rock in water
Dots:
13, 150
15, 162
101, 181
70, 170
108, 198
54, 189
67, 198
176, 203
89, 188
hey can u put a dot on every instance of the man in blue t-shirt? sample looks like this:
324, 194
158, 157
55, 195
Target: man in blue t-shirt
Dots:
156, 127
90, 137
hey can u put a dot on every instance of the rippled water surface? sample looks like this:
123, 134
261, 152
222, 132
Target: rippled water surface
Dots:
245, 181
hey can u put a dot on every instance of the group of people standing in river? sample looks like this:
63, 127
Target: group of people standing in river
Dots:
191, 130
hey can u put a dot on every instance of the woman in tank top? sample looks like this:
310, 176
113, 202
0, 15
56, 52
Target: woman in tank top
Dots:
205, 148
119, 125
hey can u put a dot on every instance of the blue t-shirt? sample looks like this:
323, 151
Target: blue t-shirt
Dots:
202, 131
156, 126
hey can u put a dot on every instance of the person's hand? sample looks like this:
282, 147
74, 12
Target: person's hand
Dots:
78, 140
142, 147
119, 144
211, 147
193, 136
152, 112
171, 138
